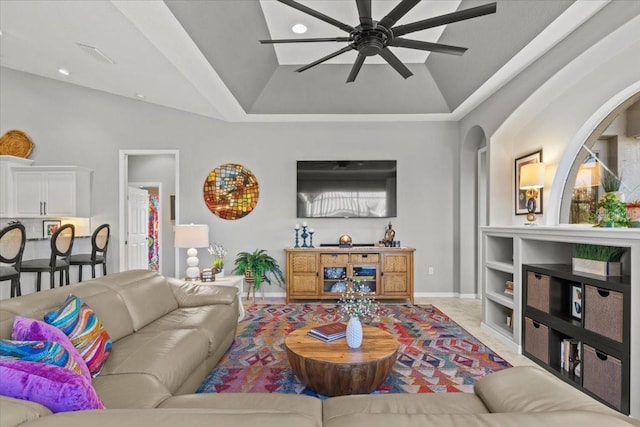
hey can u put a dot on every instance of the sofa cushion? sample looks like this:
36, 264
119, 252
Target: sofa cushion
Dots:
176, 417
122, 391
430, 403
215, 321
25, 329
307, 406
189, 294
145, 292
548, 419
531, 389
57, 388
18, 411
80, 323
51, 353
170, 356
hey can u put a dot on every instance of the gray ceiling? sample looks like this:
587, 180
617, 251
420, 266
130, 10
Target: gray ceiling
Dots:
204, 56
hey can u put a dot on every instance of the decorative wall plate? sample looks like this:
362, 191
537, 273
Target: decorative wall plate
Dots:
231, 191
16, 143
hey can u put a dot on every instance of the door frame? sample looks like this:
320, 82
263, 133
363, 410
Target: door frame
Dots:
123, 183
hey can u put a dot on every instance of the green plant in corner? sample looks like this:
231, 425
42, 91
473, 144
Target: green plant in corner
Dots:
598, 252
258, 266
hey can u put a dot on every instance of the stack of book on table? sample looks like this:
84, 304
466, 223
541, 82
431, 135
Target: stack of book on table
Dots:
329, 332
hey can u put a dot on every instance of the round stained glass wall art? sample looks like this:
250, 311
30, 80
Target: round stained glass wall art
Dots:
231, 191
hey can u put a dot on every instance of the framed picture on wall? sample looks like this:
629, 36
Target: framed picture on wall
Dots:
521, 195
50, 226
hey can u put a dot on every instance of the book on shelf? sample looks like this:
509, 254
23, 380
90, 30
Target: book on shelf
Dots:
329, 332
570, 356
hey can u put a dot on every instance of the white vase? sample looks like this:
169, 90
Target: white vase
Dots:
354, 332
220, 274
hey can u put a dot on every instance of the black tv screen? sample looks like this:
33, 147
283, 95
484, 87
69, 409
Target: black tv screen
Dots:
346, 188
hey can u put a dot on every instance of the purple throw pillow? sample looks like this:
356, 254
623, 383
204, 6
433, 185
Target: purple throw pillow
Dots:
25, 329
59, 389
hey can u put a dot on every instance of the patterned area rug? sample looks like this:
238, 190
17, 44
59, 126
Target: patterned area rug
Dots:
436, 355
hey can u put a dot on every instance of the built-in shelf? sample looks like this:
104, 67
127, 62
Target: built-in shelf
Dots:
504, 251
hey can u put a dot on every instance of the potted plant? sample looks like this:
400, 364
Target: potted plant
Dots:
218, 252
598, 259
354, 304
612, 211
258, 266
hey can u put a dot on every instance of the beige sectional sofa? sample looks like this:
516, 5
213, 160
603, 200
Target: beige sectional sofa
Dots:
168, 335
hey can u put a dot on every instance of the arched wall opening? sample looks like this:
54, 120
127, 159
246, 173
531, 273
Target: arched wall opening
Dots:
472, 203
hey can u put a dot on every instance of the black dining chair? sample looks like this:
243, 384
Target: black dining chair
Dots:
12, 240
61, 246
98, 255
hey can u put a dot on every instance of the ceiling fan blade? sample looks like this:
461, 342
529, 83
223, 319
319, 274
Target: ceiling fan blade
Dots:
449, 18
325, 39
364, 11
431, 47
398, 12
316, 14
356, 68
326, 58
395, 63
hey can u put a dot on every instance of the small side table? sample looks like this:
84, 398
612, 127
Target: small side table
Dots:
235, 281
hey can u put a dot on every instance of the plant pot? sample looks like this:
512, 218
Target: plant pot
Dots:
601, 268
220, 273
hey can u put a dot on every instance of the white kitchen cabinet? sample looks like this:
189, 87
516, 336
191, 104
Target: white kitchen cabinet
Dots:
54, 192
45, 191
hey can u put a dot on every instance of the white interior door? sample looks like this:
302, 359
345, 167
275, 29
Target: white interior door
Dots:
137, 229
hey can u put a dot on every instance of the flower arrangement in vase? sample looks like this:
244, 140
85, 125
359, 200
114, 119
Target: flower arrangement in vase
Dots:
218, 252
354, 305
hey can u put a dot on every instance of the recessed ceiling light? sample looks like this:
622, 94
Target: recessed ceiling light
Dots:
64, 71
299, 28
140, 96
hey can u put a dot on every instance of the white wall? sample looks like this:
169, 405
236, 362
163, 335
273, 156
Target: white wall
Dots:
74, 125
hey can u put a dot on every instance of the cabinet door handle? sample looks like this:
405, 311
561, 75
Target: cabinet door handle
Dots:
535, 324
41, 209
603, 293
601, 355
382, 273
45, 207
365, 255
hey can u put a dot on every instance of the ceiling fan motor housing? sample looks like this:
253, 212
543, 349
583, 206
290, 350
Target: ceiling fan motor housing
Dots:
370, 41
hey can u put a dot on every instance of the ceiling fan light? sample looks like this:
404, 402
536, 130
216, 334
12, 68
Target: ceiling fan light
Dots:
299, 28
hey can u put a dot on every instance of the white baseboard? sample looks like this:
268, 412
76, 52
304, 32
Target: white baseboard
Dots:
445, 295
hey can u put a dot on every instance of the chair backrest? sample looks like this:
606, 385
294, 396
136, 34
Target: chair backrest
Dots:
12, 240
100, 241
62, 242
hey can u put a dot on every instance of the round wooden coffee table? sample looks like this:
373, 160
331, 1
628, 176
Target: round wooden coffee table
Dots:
334, 369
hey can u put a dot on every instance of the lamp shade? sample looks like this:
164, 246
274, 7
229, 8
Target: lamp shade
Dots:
191, 236
532, 176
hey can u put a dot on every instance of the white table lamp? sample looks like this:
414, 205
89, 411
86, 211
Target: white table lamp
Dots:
532, 179
192, 236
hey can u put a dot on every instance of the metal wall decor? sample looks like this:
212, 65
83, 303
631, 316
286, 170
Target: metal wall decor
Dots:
231, 191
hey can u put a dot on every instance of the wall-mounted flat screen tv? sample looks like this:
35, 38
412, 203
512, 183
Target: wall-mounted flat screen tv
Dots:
346, 188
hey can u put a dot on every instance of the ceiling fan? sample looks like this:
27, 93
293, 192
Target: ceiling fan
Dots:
375, 37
